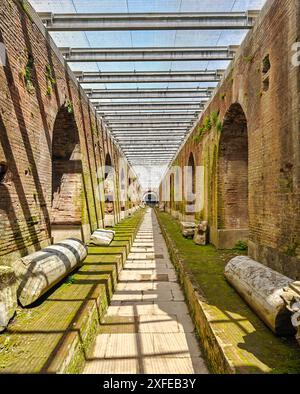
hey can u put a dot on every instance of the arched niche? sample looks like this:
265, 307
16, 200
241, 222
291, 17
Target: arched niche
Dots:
67, 188
190, 186
109, 180
232, 179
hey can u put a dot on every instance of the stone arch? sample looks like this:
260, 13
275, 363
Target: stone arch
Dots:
178, 187
150, 197
108, 166
172, 191
232, 183
190, 185
66, 206
123, 189
192, 169
109, 185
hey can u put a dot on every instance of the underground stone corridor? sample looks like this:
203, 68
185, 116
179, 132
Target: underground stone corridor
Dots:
147, 327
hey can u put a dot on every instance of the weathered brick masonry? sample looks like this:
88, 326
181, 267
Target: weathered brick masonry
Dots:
251, 163
52, 142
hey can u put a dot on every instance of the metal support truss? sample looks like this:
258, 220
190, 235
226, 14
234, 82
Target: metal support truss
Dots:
149, 76
148, 54
151, 21
148, 93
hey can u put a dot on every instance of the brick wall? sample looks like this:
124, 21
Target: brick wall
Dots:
270, 102
52, 142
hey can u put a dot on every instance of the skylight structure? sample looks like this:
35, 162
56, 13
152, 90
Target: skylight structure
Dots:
149, 67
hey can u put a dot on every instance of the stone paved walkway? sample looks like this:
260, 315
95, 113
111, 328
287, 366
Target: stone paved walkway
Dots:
147, 328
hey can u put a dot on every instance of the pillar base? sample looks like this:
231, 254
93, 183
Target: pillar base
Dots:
109, 220
227, 239
60, 232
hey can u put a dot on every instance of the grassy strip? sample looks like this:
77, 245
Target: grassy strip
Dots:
56, 333
234, 339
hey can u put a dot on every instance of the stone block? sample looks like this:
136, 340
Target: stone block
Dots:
200, 236
109, 220
40, 271
8, 295
161, 207
102, 237
188, 229
263, 289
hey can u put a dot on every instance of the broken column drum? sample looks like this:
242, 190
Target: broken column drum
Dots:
263, 289
188, 229
102, 237
291, 298
200, 237
39, 271
8, 295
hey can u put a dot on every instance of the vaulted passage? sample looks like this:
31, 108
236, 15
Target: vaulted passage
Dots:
190, 183
233, 177
66, 175
149, 187
150, 198
233, 170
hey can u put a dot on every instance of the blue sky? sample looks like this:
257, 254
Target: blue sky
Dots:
119, 39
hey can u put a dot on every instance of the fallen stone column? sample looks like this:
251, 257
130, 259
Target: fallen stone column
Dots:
39, 271
8, 295
102, 237
291, 298
263, 289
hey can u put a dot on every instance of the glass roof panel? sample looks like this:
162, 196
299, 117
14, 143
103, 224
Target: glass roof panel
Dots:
148, 39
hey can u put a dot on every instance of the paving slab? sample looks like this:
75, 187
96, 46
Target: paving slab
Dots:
188, 365
147, 327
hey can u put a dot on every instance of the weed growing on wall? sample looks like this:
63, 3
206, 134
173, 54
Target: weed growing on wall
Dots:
26, 74
50, 79
209, 122
69, 106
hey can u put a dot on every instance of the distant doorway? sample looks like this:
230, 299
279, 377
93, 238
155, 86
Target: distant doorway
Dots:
150, 199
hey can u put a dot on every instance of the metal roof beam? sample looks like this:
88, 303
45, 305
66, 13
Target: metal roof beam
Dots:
149, 93
161, 103
142, 139
147, 148
146, 135
148, 54
150, 131
148, 161
153, 157
132, 121
149, 76
160, 156
151, 111
137, 132
151, 21
170, 123
136, 106
140, 117
153, 144
140, 126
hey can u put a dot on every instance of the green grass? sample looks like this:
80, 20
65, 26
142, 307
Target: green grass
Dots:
38, 333
255, 348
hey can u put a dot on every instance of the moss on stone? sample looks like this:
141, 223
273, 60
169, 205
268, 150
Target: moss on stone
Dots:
57, 332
